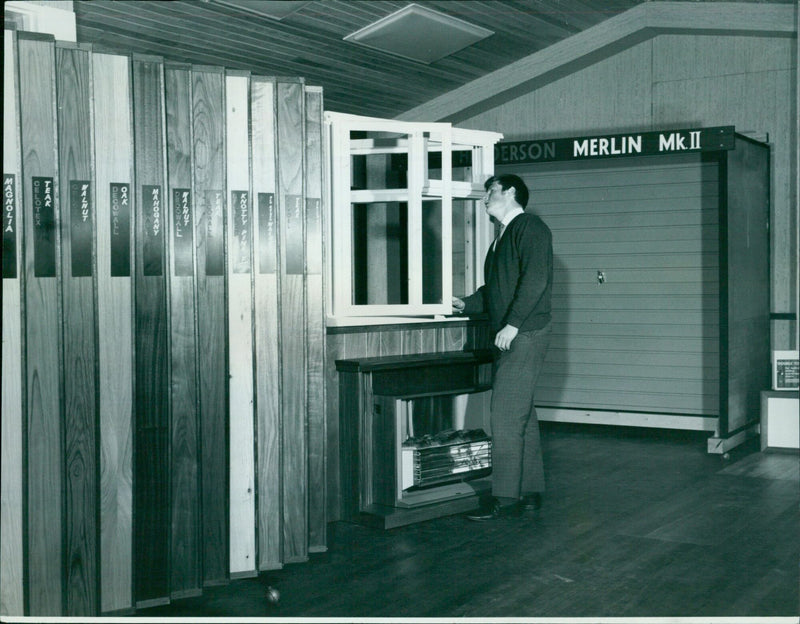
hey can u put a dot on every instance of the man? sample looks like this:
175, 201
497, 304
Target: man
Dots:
518, 277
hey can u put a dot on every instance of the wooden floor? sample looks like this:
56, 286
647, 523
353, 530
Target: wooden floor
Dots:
635, 523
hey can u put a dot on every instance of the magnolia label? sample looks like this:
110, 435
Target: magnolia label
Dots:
9, 226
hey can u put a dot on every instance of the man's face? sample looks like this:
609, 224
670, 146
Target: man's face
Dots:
497, 200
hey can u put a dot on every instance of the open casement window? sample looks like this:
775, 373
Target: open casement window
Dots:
407, 228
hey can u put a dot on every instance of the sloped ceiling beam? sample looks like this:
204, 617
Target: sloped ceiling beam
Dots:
594, 44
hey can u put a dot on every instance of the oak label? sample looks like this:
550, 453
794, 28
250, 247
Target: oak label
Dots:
120, 228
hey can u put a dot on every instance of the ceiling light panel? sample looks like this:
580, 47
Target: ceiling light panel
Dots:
420, 34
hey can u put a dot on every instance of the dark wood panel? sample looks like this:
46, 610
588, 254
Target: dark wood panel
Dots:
185, 559
291, 213
745, 282
151, 442
240, 326
334, 350
315, 330
266, 313
209, 184
76, 190
43, 449
11, 424
114, 179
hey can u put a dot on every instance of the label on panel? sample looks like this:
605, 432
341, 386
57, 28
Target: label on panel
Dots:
240, 254
153, 245
314, 235
215, 261
120, 229
294, 235
44, 227
9, 226
267, 243
81, 219
183, 232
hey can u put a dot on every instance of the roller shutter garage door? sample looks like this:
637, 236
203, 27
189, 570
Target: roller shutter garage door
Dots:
636, 283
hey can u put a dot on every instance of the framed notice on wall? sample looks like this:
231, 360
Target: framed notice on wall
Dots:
785, 370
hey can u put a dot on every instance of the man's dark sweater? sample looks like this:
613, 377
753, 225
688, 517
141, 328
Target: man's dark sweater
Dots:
518, 277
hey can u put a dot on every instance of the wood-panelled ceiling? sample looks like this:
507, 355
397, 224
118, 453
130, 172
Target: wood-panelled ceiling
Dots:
308, 42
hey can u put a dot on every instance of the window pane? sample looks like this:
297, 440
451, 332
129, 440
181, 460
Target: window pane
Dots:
386, 164
380, 253
432, 251
461, 166
461, 208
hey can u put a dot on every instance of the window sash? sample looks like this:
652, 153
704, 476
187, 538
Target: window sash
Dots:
418, 140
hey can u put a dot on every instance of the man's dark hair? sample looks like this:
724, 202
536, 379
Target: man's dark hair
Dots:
509, 180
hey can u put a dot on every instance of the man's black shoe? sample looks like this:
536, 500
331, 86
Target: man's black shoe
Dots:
531, 502
490, 509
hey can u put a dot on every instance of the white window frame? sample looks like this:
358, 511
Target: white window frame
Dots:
338, 128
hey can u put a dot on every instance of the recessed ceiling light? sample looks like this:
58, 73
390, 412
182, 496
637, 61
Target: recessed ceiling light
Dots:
420, 34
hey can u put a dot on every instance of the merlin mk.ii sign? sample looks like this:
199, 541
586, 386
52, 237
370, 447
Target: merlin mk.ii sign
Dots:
616, 145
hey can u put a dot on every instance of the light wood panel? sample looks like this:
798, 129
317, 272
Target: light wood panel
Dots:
114, 200
595, 44
11, 479
151, 471
750, 90
291, 214
208, 123
43, 427
77, 191
240, 326
315, 322
185, 544
266, 315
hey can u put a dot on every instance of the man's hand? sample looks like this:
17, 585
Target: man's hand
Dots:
458, 305
504, 337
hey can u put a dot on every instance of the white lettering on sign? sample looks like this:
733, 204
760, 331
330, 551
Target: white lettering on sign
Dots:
525, 151
156, 197
215, 213
8, 203
611, 146
84, 202
676, 141
119, 198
